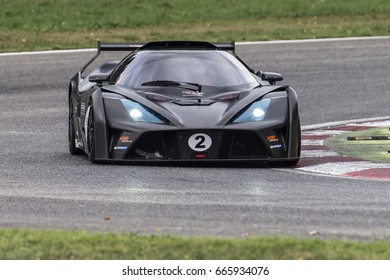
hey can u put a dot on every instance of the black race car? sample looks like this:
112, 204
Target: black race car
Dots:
181, 101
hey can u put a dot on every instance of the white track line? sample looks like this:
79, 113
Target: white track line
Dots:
342, 168
237, 43
312, 142
318, 153
321, 40
340, 123
48, 52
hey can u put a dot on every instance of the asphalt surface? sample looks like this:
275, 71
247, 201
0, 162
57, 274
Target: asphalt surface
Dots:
43, 186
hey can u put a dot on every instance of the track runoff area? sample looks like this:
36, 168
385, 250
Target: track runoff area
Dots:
317, 159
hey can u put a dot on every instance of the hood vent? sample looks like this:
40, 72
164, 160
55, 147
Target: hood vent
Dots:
227, 96
194, 102
158, 97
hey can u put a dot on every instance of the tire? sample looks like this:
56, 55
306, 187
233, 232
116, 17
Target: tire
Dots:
91, 134
71, 138
284, 163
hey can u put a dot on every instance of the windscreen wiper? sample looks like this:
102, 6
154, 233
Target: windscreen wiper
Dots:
167, 83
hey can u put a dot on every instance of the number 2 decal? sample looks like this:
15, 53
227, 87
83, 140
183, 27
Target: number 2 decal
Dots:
199, 142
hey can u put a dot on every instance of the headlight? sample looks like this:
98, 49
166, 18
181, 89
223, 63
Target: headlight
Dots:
254, 113
139, 113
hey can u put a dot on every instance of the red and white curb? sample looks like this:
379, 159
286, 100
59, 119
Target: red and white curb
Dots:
318, 158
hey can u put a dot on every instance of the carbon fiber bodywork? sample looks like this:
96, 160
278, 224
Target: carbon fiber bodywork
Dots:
184, 123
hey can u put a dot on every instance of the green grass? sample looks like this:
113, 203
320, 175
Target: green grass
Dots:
44, 24
46, 244
373, 150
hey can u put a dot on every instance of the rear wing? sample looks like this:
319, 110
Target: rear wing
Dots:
111, 47
230, 46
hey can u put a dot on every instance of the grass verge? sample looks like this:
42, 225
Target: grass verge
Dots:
373, 150
47, 245
44, 24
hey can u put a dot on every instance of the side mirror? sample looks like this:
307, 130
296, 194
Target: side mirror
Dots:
271, 77
98, 78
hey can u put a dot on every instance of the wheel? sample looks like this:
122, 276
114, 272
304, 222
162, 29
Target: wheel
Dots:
91, 134
71, 139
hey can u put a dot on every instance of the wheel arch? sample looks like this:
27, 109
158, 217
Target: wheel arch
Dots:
101, 135
294, 143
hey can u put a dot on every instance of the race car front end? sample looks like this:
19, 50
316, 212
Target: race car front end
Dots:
263, 130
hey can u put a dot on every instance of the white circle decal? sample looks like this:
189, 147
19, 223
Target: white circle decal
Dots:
200, 142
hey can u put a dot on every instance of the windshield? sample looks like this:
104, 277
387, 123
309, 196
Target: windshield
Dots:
206, 68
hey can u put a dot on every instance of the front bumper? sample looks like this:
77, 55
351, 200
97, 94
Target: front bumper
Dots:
209, 145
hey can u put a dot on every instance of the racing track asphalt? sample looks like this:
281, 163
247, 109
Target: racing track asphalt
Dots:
42, 186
